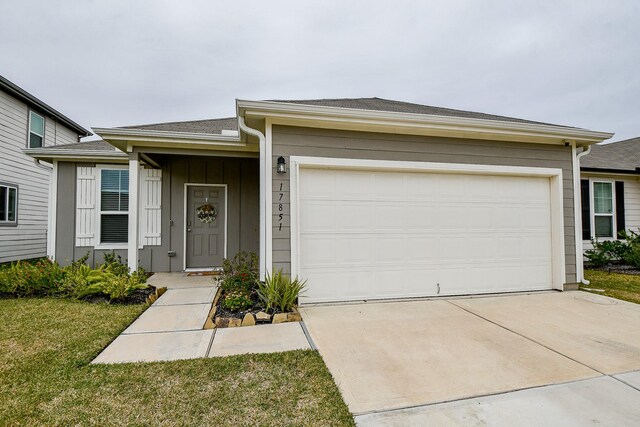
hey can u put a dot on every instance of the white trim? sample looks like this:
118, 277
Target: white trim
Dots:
134, 212
52, 219
226, 222
577, 213
592, 213
269, 196
556, 194
395, 122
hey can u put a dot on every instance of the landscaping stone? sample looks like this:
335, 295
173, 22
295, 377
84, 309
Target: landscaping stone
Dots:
294, 317
222, 322
279, 318
248, 320
261, 316
233, 323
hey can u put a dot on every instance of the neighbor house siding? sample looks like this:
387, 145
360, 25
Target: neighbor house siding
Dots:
29, 238
240, 175
631, 200
293, 141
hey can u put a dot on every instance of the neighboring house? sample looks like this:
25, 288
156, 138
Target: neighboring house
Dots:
366, 198
610, 190
27, 122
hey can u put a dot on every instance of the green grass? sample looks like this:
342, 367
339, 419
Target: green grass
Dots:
622, 286
46, 379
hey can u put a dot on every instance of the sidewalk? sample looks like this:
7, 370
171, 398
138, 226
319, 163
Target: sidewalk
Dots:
171, 329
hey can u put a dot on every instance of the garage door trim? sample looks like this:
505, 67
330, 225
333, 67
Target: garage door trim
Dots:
554, 174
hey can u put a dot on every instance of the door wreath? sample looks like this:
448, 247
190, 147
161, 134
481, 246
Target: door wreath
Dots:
206, 213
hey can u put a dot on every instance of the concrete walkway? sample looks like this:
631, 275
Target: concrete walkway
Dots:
171, 329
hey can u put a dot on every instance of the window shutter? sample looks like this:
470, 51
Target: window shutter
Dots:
150, 206
85, 206
586, 209
620, 207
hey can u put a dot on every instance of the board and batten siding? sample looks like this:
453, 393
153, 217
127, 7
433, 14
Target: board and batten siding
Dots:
296, 141
162, 194
29, 238
631, 200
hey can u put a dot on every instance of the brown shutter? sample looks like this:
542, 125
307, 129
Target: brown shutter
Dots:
586, 209
620, 207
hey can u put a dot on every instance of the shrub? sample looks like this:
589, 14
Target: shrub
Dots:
40, 278
113, 286
241, 273
279, 292
79, 278
113, 263
237, 301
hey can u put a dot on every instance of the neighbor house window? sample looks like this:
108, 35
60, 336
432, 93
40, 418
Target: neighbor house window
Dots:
36, 130
8, 204
114, 205
603, 213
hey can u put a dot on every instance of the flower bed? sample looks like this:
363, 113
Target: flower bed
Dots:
112, 282
243, 300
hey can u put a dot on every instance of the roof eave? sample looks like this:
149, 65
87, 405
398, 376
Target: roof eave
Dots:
31, 100
125, 139
48, 154
386, 121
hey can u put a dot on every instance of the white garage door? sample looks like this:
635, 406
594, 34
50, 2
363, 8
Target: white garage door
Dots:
380, 234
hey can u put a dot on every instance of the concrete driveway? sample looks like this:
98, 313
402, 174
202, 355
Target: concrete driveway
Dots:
399, 363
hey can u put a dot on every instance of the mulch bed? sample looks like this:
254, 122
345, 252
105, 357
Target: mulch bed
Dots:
617, 268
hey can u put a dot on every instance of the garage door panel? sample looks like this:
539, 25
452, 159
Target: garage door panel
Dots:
407, 234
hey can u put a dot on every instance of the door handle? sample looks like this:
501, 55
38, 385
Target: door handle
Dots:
188, 229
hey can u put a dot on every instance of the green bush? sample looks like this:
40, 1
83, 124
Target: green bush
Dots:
118, 288
279, 292
241, 273
79, 279
237, 301
41, 278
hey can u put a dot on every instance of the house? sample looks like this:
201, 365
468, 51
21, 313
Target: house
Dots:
610, 190
27, 122
365, 198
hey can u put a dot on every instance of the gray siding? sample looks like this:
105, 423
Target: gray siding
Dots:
241, 177
294, 141
29, 238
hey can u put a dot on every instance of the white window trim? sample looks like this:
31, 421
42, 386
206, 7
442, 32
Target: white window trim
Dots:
29, 131
99, 212
592, 214
6, 222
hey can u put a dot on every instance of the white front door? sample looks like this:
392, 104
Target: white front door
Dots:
372, 234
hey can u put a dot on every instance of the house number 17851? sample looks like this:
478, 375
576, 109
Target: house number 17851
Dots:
280, 209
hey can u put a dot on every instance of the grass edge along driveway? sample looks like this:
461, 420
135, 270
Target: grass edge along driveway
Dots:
46, 378
621, 286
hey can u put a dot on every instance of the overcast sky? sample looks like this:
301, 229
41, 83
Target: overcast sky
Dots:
115, 63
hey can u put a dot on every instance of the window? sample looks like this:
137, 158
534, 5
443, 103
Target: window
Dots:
36, 130
8, 204
603, 209
114, 205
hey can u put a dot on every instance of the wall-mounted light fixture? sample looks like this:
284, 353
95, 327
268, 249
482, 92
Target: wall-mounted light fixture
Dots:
282, 165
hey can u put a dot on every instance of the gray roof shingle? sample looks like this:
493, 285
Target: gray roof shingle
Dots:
621, 155
96, 146
380, 104
215, 126
209, 126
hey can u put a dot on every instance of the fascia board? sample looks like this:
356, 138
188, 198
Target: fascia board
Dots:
410, 121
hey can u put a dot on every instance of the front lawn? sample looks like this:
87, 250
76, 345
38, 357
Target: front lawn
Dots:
615, 285
46, 379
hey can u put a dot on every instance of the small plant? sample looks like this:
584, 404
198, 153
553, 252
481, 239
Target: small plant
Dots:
113, 263
113, 286
279, 292
240, 273
237, 301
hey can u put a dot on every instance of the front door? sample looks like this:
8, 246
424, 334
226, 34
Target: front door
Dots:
205, 228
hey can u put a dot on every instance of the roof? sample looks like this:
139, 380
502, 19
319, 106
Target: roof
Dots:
208, 126
32, 101
97, 146
215, 126
380, 104
615, 156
